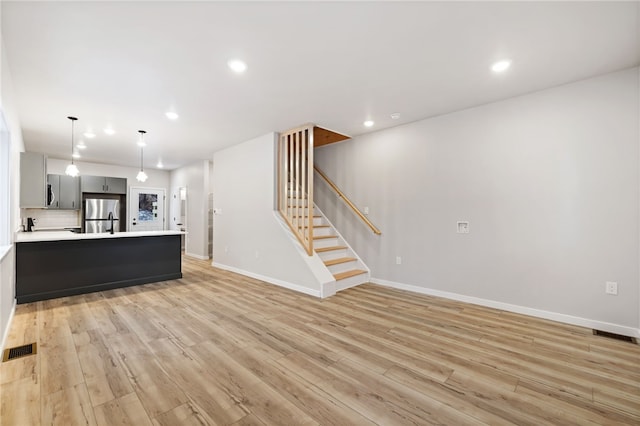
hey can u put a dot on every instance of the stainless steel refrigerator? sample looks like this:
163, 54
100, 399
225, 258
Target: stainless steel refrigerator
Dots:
101, 215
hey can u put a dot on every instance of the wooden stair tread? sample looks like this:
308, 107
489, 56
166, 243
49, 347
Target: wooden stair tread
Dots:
339, 260
323, 249
324, 237
348, 274
316, 226
315, 215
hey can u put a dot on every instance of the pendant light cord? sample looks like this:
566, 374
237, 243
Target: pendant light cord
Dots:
73, 119
142, 132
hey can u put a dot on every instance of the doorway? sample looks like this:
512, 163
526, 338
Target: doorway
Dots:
146, 209
178, 209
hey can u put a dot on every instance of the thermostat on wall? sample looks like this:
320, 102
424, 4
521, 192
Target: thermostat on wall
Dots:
463, 227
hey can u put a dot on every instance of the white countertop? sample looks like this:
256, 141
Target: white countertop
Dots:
26, 237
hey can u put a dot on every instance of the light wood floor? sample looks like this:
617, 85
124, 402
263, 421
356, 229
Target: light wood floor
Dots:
219, 348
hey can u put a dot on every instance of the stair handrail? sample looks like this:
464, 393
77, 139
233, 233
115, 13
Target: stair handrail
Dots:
347, 201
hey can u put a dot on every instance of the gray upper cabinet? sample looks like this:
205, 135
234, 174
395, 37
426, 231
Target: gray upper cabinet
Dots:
92, 183
69, 192
101, 184
33, 185
63, 192
116, 185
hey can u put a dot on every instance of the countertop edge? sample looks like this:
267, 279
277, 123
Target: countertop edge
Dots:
33, 237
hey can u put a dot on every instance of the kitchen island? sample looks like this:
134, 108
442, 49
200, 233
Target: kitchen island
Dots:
57, 264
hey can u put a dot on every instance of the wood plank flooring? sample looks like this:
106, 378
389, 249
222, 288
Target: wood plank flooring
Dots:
222, 349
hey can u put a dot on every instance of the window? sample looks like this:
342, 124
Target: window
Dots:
5, 179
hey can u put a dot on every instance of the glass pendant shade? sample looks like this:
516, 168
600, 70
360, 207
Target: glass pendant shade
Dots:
72, 169
142, 176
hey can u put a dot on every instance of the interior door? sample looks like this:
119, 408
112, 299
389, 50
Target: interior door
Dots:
146, 209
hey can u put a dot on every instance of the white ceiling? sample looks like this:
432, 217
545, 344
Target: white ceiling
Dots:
335, 64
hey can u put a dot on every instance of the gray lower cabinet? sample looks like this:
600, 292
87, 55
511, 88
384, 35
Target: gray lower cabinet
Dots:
33, 176
102, 184
64, 192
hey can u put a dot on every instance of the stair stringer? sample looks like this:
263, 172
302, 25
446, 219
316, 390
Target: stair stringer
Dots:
353, 281
315, 264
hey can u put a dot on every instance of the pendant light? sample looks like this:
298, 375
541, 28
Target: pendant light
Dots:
142, 176
72, 169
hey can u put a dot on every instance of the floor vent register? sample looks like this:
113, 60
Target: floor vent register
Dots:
615, 336
19, 352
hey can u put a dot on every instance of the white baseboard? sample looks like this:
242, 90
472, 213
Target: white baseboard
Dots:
269, 280
553, 316
8, 327
197, 256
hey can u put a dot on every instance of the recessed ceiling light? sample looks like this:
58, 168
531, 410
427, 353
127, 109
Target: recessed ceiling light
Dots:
395, 115
171, 115
160, 165
89, 135
76, 155
501, 66
81, 145
368, 123
109, 131
237, 66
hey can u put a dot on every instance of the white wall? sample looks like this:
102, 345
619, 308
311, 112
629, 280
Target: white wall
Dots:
247, 236
548, 181
196, 178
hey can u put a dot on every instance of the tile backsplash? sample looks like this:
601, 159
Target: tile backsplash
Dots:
51, 218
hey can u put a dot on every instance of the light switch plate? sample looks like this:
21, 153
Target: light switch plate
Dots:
463, 227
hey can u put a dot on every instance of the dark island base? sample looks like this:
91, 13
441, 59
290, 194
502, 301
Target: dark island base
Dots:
50, 269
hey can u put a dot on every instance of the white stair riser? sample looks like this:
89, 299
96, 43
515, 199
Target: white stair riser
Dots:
299, 222
325, 242
299, 215
351, 281
319, 232
333, 254
344, 267
295, 203
322, 231
303, 220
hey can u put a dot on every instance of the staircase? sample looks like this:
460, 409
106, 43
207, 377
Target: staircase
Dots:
311, 227
338, 257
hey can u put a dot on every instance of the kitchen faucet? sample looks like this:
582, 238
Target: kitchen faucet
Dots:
110, 218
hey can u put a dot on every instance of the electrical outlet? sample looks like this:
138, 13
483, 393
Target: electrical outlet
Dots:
398, 260
366, 210
463, 227
226, 249
257, 254
611, 288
